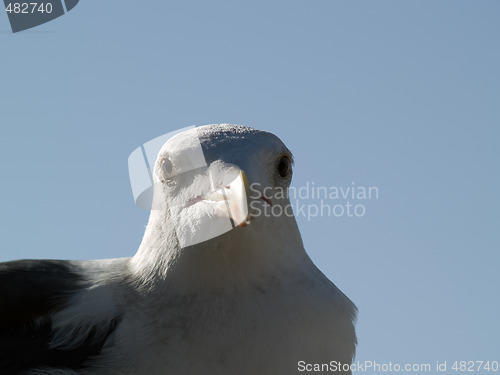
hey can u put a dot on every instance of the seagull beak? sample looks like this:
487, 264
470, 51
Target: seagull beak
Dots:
230, 201
236, 195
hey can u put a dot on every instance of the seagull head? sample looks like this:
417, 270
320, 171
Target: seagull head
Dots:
222, 188
216, 178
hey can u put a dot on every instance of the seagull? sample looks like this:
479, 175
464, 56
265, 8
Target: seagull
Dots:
219, 285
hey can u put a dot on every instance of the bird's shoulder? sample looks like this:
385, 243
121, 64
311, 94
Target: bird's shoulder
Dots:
46, 317
30, 289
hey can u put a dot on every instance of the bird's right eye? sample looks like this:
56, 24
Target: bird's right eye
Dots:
167, 169
284, 167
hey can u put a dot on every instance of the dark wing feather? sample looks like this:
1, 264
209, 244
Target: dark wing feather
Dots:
31, 290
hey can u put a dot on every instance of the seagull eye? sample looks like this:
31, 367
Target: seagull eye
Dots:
284, 167
167, 169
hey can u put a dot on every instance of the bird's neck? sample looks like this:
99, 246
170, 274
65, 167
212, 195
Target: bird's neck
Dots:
249, 255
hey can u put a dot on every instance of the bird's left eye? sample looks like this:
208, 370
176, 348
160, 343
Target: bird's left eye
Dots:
167, 169
284, 166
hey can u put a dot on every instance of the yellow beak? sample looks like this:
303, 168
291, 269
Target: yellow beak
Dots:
236, 197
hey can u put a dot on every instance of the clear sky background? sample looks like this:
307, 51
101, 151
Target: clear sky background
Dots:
402, 95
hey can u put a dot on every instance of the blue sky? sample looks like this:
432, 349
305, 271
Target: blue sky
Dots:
399, 95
